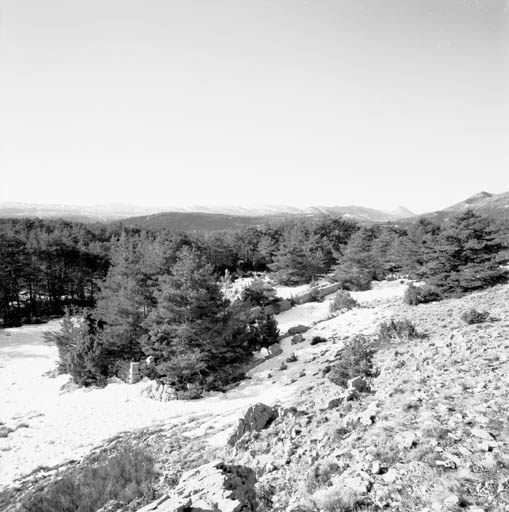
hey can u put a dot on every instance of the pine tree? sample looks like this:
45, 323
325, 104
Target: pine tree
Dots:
467, 255
187, 320
299, 259
416, 250
357, 267
383, 247
124, 302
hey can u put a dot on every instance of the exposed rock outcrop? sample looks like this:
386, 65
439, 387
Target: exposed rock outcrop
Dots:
214, 487
257, 417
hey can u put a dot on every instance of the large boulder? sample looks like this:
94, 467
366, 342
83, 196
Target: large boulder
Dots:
298, 338
257, 417
214, 487
274, 350
298, 329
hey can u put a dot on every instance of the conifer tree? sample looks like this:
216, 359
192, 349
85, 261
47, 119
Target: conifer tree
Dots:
357, 267
123, 302
187, 321
299, 258
416, 250
467, 255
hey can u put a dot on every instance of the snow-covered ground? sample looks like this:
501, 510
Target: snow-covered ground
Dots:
51, 425
234, 290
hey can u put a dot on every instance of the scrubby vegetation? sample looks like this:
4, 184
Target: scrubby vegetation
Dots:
315, 340
473, 316
415, 295
399, 330
259, 293
342, 301
355, 360
125, 476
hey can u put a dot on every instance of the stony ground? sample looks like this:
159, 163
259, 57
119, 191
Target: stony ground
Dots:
432, 435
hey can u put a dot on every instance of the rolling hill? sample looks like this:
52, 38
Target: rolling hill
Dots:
493, 205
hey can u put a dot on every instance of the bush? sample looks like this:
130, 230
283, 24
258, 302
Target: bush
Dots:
342, 301
355, 360
353, 278
421, 294
292, 358
266, 332
259, 293
317, 339
397, 330
472, 316
123, 477
81, 350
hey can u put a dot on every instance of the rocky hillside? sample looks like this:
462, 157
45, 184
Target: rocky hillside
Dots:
428, 433
426, 429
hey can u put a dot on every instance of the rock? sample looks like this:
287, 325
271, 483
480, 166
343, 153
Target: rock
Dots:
391, 476
257, 417
350, 394
112, 506
452, 501
298, 338
275, 349
351, 486
297, 329
214, 487
335, 402
368, 416
357, 481
482, 434
302, 505
168, 393
406, 440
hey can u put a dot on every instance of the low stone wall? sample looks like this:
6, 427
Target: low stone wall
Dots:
319, 292
285, 304
158, 390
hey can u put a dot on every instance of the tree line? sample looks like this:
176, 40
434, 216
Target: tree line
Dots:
47, 265
463, 254
157, 294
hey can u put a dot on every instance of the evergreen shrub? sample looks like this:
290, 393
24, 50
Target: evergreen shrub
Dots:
398, 330
355, 360
473, 316
125, 476
415, 295
342, 301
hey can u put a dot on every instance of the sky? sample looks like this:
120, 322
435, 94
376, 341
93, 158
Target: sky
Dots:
250, 102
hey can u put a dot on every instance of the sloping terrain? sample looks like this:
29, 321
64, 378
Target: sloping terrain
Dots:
195, 221
431, 434
48, 422
495, 206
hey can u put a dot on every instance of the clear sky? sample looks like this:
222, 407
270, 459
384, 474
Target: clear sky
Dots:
242, 102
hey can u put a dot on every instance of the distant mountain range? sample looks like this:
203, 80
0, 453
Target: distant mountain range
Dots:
115, 212
93, 213
230, 217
